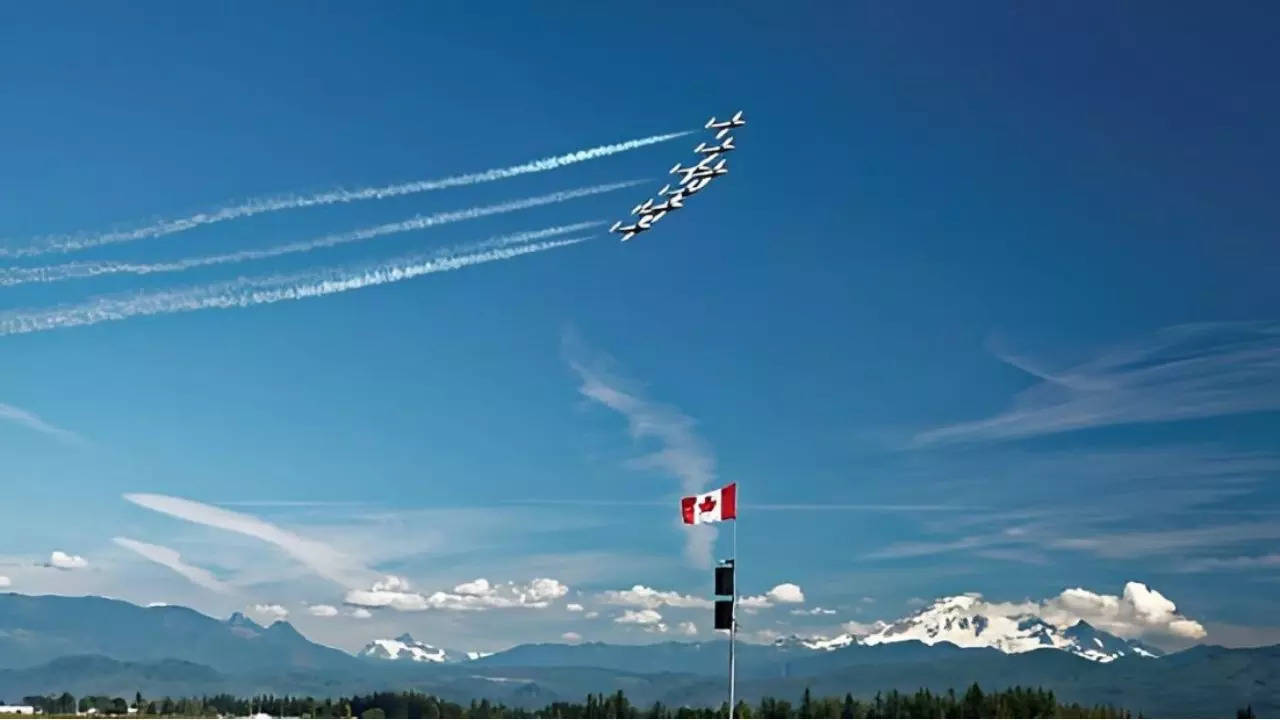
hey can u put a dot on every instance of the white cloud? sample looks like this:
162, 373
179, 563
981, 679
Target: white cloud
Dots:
5, 581
1182, 372
320, 558
34, 422
784, 594
173, 560
853, 627
639, 617
479, 586
322, 610
1138, 611
683, 454
361, 614
476, 595
571, 637
813, 611
271, 611
645, 597
687, 628
573, 607
658, 628
591, 615
63, 561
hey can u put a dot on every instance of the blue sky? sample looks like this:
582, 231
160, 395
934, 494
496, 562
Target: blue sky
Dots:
986, 304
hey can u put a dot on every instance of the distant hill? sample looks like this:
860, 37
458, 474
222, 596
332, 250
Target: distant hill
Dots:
38, 629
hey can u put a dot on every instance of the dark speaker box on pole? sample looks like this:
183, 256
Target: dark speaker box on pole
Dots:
724, 615
724, 580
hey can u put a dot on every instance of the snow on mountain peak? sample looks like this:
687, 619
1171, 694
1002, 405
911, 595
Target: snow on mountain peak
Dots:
969, 622
405, 647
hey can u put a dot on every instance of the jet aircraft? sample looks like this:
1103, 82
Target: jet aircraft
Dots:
725, 126
699, 171
723, 147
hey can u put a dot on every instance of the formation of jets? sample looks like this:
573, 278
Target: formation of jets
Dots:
692, 179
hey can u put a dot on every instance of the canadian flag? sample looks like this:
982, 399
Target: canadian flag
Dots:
715, 506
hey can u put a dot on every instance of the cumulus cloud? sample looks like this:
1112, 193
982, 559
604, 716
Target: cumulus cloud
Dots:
571, 637
173, 560
784, 594
5, 581
63, 561
270, 611
646, 597
1138, 611
320, 558
573, 607
479, 586
687, 628
322, 610
591, 615
361, 614
475, 595
683, 454
639, 617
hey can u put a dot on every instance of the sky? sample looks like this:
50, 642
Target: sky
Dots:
986, 304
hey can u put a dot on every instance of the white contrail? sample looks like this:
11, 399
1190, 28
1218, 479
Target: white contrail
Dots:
70, 271
246, 292
74, 242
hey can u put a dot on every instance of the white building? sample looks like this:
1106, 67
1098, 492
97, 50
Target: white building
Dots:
17, 710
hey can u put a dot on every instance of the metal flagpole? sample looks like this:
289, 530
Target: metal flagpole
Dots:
733, 619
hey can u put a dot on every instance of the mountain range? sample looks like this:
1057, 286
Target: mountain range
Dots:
957, 620
90, 645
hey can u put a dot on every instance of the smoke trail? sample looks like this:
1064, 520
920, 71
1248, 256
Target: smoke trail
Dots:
72, 243
246, 292
69, 271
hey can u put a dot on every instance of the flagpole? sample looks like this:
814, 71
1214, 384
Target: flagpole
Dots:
733, 621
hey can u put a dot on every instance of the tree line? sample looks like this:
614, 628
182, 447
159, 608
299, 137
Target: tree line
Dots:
1015, 702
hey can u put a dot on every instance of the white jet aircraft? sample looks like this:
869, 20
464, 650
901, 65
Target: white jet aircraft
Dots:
723, 147
699, 171
724, 127
629, 231
675, 202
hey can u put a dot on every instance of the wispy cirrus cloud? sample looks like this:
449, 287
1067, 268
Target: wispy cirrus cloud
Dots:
172, 559
34, 422
320, 558
1181, 372
682, 453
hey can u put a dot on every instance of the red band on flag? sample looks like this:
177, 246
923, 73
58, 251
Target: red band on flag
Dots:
686, 509
729, 502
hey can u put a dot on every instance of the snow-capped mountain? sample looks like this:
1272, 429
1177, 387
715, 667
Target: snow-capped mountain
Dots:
965, 621
406, 648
